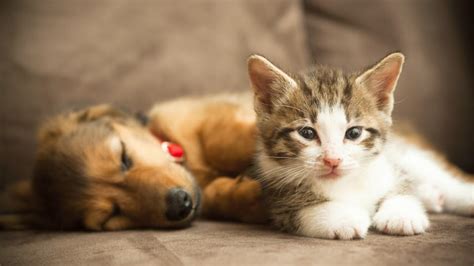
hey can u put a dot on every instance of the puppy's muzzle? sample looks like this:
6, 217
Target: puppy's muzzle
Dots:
179, 204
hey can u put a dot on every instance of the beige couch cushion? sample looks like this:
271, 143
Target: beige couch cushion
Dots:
65, 54
435, 91
216, 243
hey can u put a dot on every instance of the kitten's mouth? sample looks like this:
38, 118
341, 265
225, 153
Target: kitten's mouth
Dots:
332, 174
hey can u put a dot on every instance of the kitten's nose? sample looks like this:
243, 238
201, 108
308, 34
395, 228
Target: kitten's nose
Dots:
332, 162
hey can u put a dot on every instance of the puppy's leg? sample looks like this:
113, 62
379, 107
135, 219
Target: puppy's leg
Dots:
18, 198
19, 208
236, 199
228, 139
13, 222
99, 211
228, 143
118, 223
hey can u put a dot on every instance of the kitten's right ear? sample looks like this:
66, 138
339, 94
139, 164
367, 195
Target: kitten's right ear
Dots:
381, 80
268, 81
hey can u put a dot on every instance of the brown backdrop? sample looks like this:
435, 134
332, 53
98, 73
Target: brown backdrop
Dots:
57, 55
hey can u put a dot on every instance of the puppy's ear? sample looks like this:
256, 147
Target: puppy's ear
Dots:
268, 81
99, 111
381, 80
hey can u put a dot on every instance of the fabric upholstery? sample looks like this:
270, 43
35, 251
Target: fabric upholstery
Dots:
449, 242
57, 55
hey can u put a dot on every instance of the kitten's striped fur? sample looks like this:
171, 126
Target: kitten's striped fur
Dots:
369, 182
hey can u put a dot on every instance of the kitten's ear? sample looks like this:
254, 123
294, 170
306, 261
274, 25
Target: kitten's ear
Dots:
382, 79
268, 81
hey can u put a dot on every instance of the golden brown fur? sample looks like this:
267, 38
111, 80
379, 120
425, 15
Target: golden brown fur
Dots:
79, 182
218, 134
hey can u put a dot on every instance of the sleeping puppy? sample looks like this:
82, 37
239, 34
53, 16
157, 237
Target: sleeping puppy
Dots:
101, 169
218, 134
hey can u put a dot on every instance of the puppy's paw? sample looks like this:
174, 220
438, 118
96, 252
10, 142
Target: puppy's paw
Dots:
115, 223
12, 222
431, 197
236, 199
334, 221
401, 215
98, 214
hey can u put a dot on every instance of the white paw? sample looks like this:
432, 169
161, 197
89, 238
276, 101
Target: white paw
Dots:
334, 221
401, 215
351, 228
431, 196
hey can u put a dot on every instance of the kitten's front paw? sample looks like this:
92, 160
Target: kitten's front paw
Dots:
334, 221
431, 196
401, 215
351, 228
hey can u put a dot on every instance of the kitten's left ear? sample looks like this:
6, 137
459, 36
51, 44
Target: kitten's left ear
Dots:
381, 80
268, 81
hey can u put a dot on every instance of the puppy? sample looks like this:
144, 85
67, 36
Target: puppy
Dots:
101, 169
218, 134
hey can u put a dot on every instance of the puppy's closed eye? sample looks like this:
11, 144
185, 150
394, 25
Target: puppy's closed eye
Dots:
125, 161
142, 118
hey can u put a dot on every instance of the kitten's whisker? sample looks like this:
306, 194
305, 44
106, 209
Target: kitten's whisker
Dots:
290, 179
287, 176
303, 178
270, 175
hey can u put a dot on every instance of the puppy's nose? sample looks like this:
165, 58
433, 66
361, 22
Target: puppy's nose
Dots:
332, 162
179, 204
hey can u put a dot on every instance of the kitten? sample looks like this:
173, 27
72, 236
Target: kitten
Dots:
329, 163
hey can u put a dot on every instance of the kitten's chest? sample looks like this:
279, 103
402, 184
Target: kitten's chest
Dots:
364, 187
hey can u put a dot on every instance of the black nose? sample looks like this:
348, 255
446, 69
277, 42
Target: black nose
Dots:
179, 203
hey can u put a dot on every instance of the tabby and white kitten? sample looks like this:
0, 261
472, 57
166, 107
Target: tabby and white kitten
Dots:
329, 163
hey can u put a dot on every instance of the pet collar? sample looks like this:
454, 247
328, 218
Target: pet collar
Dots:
175, 151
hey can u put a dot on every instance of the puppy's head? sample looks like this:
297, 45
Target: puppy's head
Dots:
101, 169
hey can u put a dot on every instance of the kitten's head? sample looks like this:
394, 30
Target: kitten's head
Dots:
323, 123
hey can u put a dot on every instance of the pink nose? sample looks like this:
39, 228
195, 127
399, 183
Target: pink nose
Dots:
332, 162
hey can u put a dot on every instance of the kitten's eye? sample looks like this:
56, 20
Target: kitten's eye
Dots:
126, 162
353, 133
307, 133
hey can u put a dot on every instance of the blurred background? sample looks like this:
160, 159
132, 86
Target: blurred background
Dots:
58, 55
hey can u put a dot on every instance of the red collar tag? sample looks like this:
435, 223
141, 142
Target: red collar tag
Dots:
175, 151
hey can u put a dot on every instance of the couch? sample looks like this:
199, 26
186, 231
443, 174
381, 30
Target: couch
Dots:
58, 55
